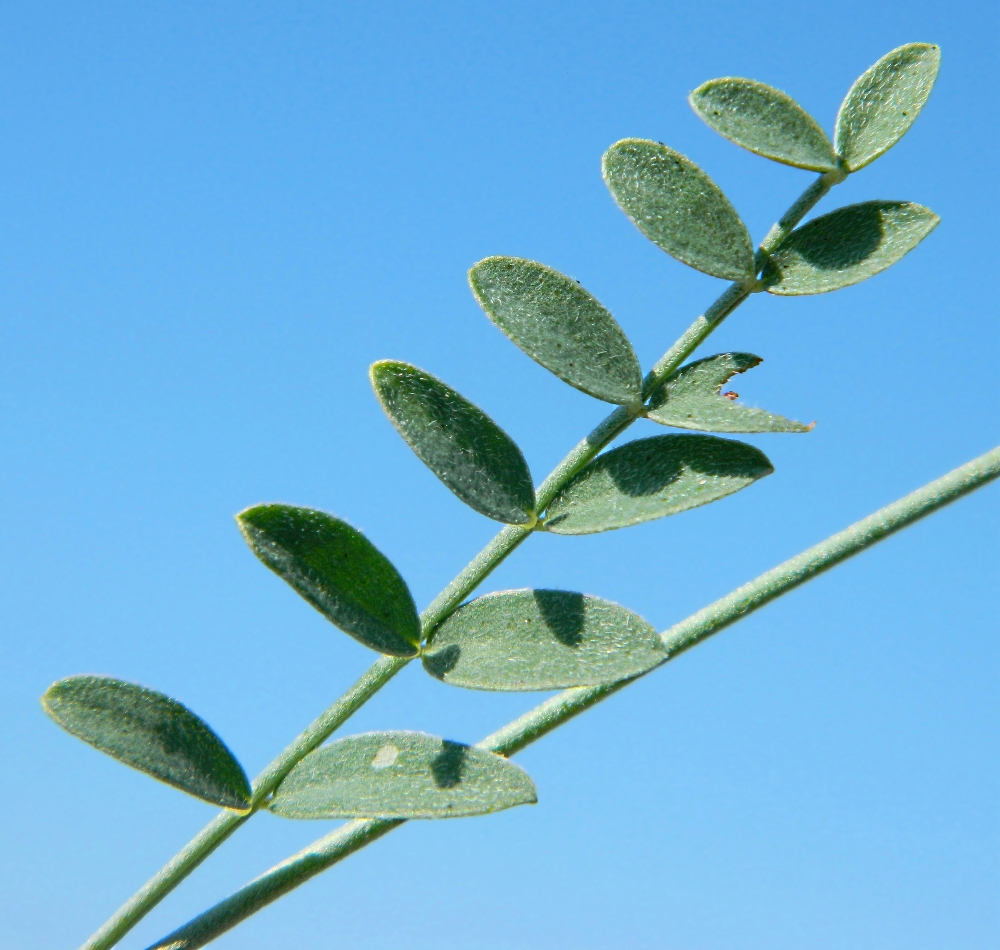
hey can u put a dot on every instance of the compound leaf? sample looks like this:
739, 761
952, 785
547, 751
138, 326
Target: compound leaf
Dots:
846, 246
152, 733
401, 775
339, 571
764, 120
692, 399
884, 102
558, 324
652, 478
541, 639
679, 208
462, 445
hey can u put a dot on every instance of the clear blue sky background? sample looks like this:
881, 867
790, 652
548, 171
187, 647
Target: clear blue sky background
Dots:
214, 216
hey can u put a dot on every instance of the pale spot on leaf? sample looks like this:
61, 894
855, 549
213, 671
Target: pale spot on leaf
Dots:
385, 757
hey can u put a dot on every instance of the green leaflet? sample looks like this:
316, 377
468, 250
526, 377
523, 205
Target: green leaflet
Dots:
884, 102
541, 639
339, 571
692, 399
679, 208
457, 441
558, 324
764, 120
846, 246
651, 478
150, 732
401, 775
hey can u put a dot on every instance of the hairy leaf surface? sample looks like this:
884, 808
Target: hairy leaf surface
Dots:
692, 399
152, 733
558, 324
846, 246
652, 478
462, 445
679, 208
339, 571
541, 639
764, 120
885, 101
401, 775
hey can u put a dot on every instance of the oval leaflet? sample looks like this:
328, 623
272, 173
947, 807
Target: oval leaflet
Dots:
884, 102
764, 120
652, 478
541, 639
845, 247
152, 733
457, 441
339, 571
400, 775
559, 325
679, 208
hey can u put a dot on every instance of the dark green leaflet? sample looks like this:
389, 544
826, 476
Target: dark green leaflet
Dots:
652, 478
765, 121
152, 733
884, 102
679, 208
846, 246
558, 324
401, 775
541, 639
339, 571
692, 399
457, 441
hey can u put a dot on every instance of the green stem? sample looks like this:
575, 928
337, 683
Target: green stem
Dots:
226, 822
803, 205
483, 564
759, 592
541, 720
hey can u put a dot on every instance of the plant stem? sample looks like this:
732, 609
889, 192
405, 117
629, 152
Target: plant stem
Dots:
475, 572
513, 737
802, 206
226, 822
759, 592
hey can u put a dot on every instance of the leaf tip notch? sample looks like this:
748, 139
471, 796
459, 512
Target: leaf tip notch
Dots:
693, 399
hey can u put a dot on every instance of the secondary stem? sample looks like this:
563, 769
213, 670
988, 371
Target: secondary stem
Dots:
541, 720
483, 564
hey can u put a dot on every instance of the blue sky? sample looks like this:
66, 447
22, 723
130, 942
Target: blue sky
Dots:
215, 216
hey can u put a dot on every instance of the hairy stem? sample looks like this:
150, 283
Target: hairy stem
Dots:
541, 720
226, 822
477, 570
